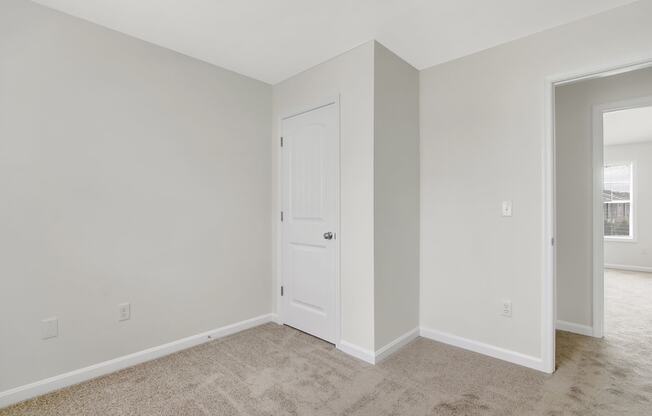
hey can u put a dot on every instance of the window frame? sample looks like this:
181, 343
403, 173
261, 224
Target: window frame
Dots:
631, 238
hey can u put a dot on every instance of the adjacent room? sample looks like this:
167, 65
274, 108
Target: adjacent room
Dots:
291, 207
604, 279
628, 224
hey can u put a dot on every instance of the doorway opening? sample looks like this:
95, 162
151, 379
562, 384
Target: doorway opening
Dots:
603, 162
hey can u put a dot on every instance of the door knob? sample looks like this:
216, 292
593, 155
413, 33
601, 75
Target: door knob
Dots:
328, 236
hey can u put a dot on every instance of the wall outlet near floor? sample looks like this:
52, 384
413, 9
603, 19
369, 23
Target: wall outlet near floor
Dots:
507, 208
49, 328
124, 311
507, 309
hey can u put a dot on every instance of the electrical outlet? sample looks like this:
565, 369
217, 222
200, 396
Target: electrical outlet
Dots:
507, 208
507, 308
49, 328
124, 310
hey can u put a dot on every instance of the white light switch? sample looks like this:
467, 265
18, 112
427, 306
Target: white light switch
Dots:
507, 208
507, 308
49, 328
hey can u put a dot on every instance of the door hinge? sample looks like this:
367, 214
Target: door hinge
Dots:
281, 290
281, 216
281, 141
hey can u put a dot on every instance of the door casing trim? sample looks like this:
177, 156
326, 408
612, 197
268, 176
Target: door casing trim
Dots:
549, 271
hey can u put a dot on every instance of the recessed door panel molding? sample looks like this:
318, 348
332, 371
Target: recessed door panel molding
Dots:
307, 174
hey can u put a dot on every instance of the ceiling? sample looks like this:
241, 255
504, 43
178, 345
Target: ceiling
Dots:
271, 40
628, 126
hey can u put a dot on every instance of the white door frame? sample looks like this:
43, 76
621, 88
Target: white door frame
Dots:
335, 100
549, 298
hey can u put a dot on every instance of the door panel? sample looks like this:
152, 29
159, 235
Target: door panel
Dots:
310, 163
307, 173
308, 281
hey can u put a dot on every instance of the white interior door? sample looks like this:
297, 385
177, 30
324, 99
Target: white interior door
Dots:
310, 214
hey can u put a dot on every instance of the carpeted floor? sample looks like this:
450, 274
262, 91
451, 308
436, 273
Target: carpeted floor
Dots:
275, 370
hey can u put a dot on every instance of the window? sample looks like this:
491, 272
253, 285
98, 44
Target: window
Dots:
617, 197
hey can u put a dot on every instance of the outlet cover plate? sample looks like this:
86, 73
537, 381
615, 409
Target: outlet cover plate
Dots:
124, 312
49, 328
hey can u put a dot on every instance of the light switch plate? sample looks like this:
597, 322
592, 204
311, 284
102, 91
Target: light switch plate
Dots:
507, 309
49, 328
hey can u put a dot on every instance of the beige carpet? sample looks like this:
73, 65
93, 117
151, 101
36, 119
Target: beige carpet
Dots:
275, 370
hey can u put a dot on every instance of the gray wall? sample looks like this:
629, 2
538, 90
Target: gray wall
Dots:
482, 141
573, 140
396, 196
129, 173
638, 253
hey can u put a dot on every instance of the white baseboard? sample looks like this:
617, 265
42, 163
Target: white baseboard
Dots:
575, 328
357, 352
628, 268
396, 345
48, 385
372, 357
486, 349
276, 318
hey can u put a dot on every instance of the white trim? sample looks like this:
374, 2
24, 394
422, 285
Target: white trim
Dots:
597, 263
549, 270
380, 354
38, 388
360, 353
628, 268
486, 349
335, 99
602, 71
548, 296
613, 239
397, 344
275, 318
575, 328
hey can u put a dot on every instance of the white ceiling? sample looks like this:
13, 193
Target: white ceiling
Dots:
271, 40
628, 126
